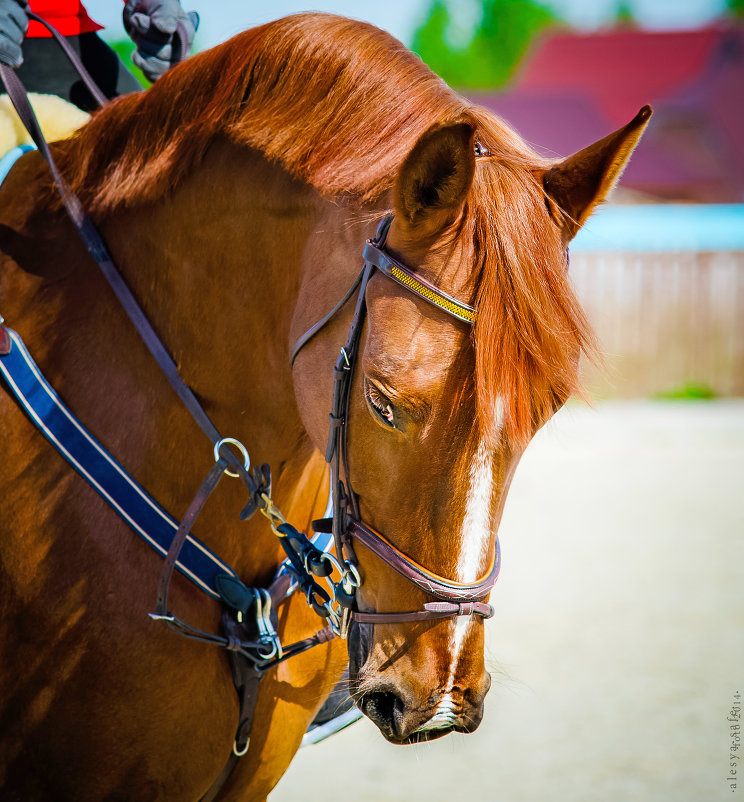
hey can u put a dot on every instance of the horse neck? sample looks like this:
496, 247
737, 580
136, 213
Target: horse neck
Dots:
216, 268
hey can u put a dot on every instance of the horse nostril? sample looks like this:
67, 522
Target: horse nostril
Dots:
385, 708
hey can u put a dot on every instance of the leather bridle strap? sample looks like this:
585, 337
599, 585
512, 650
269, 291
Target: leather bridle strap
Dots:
397, 271
169, 562
439, 587
453, 598
343, 496
432, 611
313, 330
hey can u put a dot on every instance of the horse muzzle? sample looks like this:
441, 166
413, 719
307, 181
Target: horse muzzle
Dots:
406, 697
405, 715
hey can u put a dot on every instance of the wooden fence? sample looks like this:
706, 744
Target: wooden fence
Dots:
664, 320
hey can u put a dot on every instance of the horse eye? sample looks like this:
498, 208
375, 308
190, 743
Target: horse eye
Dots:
380, 404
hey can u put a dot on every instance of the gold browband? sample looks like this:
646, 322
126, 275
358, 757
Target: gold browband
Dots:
385, 263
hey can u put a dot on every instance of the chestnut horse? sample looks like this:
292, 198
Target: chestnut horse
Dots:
236, 196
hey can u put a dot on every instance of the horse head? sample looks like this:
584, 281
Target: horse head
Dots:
442, 408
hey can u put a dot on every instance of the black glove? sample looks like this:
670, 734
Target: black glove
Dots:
13, 27
153, 26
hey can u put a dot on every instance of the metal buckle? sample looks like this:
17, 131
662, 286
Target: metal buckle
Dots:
350, 578
349, 582
267, 635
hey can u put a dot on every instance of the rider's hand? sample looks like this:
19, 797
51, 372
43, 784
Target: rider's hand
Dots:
162, 31
13, 27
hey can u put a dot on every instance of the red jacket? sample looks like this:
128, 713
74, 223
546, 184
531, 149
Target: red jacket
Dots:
68, 17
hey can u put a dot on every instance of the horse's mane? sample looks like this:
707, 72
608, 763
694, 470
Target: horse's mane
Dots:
339, 104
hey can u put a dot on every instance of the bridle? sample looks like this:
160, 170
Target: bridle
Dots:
452, 598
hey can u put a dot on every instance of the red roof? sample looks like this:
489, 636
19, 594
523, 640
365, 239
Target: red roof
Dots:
575, 88
622, 70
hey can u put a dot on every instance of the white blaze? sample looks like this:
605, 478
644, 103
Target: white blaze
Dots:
475, 540
476, 525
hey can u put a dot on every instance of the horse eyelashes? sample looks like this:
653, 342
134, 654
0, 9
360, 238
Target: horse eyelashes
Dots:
382, 405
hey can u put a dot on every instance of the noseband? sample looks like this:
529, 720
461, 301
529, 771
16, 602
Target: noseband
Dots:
452, 598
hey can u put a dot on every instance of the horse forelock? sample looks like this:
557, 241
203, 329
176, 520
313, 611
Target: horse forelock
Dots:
531, 328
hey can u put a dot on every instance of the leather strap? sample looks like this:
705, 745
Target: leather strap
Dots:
73, 58
415, 283
342, 494
202, 494
313, 330
439, 587
432, 611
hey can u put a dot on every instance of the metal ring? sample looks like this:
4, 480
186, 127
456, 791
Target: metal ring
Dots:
243, 451
267, 650
235, 748
350, 578
334, 562
333, 617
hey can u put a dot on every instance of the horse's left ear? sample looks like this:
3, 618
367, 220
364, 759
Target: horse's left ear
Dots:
435, 177
578, 183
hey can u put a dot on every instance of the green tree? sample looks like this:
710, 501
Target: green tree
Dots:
498, 43
735, 8
624, 14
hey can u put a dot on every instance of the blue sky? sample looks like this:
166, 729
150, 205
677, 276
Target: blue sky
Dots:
221, 19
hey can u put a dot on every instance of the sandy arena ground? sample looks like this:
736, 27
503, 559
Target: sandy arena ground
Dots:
618, 640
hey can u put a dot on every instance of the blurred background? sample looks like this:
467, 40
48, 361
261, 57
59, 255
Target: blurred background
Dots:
618, 641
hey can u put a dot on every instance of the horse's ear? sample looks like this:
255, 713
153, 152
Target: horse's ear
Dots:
578, 183
436, 176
